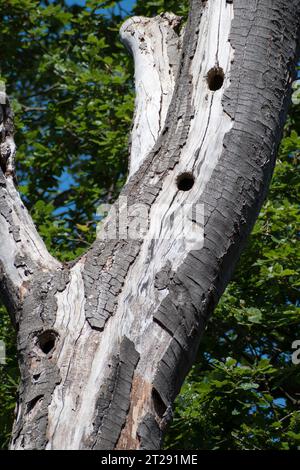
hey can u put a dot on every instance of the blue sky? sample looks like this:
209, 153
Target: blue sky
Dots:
127, 4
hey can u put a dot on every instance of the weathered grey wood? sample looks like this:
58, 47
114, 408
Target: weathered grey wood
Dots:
106, 342
155, 46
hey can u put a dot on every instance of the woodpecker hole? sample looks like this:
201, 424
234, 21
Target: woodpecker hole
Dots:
215, 78
47, 340
158, 403
185, 181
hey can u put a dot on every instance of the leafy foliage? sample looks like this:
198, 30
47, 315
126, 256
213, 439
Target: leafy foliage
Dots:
70, 80
71, 83
9, 375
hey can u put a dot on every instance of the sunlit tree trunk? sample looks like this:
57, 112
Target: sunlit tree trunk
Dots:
105, 342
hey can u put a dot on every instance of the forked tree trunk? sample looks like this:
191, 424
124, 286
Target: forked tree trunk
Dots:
105, 342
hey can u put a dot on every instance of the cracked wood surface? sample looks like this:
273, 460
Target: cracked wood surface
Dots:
106, 342
155, 46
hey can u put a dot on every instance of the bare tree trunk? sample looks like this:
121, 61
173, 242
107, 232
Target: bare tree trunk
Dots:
105, 342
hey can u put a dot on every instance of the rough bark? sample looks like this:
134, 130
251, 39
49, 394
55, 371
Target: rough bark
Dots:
105, 342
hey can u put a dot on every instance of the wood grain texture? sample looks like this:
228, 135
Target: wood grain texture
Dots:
155, 46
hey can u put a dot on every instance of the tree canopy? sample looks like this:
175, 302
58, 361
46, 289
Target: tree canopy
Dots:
70, 81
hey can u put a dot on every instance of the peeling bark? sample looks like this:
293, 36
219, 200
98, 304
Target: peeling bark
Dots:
106, 342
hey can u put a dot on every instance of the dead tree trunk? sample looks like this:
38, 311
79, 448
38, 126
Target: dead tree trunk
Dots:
105, 342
